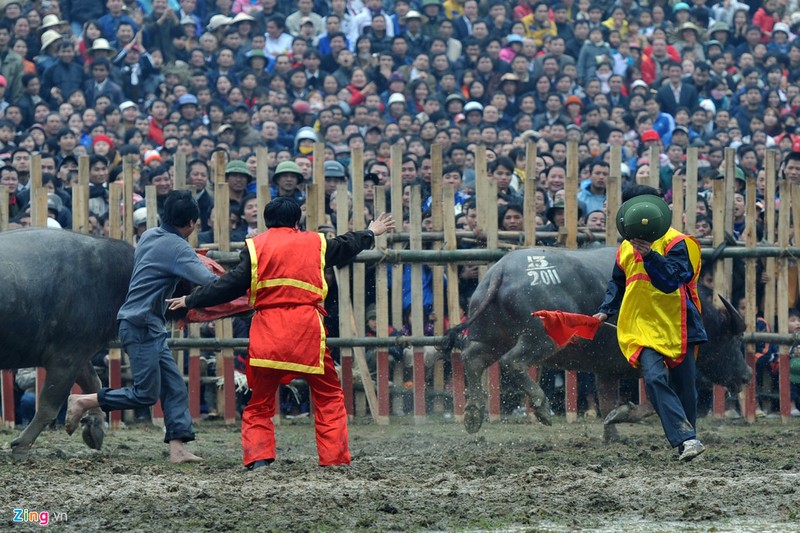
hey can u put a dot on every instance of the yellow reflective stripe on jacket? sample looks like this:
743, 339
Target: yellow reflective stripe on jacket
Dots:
251, 248
280, 282
322, 250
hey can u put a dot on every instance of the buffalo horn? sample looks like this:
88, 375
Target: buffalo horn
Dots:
733, 315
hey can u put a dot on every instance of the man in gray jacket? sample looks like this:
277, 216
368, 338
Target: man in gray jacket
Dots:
162, 258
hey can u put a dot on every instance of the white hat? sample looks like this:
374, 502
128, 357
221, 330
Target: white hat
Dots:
126, 104
49, 37
51, 21
414, 15
781, 26
139, 217
397, 98
708, 105
242, 17
217, 21
639, 83
101, 44
473, 106
53, 223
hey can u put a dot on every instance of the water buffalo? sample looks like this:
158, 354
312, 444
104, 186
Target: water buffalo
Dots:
501, 328
59, 296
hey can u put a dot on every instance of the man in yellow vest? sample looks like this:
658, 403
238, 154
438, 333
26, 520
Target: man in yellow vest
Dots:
284, 271
653, 289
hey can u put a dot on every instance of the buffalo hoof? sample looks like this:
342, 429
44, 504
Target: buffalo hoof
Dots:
93, 432
19, 451
543, 413
473, 418
621, 414
611, 435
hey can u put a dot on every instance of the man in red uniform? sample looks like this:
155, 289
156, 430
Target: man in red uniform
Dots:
283, 268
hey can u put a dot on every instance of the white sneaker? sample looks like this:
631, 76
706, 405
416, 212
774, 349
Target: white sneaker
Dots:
691, 449
795, 412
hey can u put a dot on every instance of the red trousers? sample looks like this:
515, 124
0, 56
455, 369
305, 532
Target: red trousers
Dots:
330, 417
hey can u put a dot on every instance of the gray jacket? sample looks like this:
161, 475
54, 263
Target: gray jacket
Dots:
162, 258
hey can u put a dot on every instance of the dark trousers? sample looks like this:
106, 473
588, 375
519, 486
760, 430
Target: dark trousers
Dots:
155, 376
673, 394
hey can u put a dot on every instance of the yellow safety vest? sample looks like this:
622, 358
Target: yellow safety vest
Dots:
649, 318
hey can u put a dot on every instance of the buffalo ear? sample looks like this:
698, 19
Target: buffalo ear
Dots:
735, 319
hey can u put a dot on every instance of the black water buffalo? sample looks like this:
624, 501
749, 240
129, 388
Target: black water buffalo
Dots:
59, 296
501, 328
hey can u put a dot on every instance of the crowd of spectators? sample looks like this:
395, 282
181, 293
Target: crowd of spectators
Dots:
152, 78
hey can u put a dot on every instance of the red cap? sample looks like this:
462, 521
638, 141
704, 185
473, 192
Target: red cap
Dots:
650, 135
104, 138
574, 100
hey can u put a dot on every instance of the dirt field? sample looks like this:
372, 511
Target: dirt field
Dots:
433, 477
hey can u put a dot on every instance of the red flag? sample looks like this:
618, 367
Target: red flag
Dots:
207, 314
564, 327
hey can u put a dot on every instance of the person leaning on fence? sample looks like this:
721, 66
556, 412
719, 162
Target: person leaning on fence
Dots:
654, 289
162, 258
283, 268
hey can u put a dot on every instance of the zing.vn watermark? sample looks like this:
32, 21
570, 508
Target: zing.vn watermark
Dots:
42, 518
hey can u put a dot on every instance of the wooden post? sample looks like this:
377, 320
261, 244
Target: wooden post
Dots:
128, 231
691, 190
529, 199
483, 196
114, 382
319, 181
678, 211
489, 209
222, 206
263, 191
359, 269
397, 212
655, 167
783, 295
718, 193
784, 383
345, 310
114, 214
7, 396
571, 224
39, 207
453, 305
195, 379
382, 321
5, 195
613, 195
80, 197
35, 180
770, 235
439, 210
396, 190
749, 393
417, 307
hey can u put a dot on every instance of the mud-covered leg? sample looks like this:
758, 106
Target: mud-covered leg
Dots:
93, 421
55, 391
516, 363
608, 390
477, 357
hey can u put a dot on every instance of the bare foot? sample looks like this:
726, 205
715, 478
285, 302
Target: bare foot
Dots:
179, 454
184, 456
74, 413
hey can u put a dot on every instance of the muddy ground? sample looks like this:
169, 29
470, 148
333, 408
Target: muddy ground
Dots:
431, 477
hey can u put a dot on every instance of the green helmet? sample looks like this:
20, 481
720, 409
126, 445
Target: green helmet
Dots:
239, 167
288, 167
645, 217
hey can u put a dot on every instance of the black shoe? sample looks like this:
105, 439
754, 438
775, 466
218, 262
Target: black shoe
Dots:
255, 465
